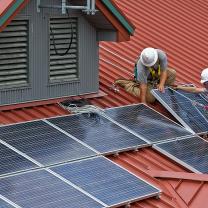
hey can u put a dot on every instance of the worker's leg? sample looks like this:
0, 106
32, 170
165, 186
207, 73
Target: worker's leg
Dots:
171, 76
149, 97
130, 86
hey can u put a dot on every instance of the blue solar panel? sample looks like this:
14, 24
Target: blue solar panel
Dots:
42, 189
147, 122
183, 109
4, 204
98, 132
198, 100
11, 162
192, 151
43, 143
106, 181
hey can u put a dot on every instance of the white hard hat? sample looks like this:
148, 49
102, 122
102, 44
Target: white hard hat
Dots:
204, 75
149, 56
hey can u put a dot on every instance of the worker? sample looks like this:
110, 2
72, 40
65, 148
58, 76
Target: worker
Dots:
193, 89
150, 71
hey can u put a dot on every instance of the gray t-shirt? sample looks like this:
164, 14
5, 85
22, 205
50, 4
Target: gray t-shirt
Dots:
143, 73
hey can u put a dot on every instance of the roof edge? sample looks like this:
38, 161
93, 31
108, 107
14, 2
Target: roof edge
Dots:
119, 15
11, 12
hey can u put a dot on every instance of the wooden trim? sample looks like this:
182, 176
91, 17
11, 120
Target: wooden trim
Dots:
123, 35
14, 14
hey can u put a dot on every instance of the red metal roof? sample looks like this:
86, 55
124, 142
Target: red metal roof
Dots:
180, 188
179, 28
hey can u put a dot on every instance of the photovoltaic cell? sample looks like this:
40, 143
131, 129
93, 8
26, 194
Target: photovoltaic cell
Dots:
98, 132
43, 143
4, 204
192, 151
11, 161
147, 122
106, 181
183, 109
42, 189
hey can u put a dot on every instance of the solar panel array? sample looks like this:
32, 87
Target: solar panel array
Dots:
192, 152
29, 150
148, 123
183, 109
60, 157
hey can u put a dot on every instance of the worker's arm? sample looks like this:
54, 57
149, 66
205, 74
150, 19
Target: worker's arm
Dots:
163, 78
189, 89
143, 91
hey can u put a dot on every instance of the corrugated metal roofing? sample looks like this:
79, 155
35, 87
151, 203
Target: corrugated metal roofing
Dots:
179, 28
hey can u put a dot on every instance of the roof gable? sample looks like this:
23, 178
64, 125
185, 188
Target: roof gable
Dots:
9, 9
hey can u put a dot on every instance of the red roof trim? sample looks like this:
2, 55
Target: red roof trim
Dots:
14, 14
179, 175
50, 101
4, 6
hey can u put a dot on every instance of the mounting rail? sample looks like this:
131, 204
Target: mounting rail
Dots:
88, 9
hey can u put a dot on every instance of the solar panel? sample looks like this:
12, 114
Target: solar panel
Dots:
198, 100
147, 122
4, 204
98, 132
191, 152
106, 181
11, 161
183, 109
42, 189
43, 143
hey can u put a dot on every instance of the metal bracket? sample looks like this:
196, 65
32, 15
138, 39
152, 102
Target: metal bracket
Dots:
88, 9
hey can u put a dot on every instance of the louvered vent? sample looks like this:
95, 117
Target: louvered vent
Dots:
14, 54
63, 49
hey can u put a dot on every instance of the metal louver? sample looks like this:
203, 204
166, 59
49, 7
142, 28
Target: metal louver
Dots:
63, 49
14, 54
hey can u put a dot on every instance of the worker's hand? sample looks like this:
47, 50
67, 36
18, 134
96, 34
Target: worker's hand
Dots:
161, 88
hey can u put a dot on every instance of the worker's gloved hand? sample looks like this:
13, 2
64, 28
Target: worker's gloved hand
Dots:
161, 88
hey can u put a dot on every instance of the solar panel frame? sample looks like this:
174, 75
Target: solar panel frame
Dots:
167, 152
156, 112
204, 96
107, 152
5, 203
26, 161
178, 117
156, 193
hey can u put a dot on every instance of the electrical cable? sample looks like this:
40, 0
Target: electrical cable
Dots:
70, 43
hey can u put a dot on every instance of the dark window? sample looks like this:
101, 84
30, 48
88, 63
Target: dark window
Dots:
63, 49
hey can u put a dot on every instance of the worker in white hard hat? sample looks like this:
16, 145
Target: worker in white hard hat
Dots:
151, 71
193, 89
